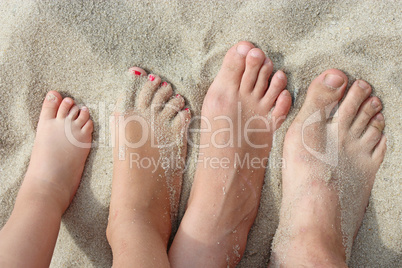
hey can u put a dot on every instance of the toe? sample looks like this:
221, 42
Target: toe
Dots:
254, 61
50, 105
82, 117
356, 95
148, 90
367, 110
278, 84
173, 107
324, 93
380, 149
88, 127
162, 95
281, 109
182, 120
65, 107
373, 133
233, 66
74, 111
137, 71
262, 81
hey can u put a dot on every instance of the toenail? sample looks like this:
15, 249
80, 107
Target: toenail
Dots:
375, 104
243, 49
84, 108
51, 97
187, 109
164, 84
267, 61
281, 75
69, 101
151, 77
363, 84
133, 71
255, 53
334, 81
379, 117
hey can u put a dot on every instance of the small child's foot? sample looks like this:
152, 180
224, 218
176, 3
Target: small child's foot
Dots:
330, 171
234, 149
149, 158
62, 144
61, 147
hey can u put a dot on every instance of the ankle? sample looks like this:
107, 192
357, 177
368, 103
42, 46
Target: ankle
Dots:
310, 248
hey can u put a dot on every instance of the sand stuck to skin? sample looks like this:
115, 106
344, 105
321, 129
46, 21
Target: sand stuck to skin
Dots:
84, 48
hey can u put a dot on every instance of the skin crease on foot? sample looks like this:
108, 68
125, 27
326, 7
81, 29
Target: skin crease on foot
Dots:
330, 171
62, 144
224, 201
147, 175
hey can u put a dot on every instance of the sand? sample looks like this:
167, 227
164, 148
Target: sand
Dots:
84, 49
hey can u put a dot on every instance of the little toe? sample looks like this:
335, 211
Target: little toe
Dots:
323, 93
173, 107
182, 120
148, 90
233, 65
282, 107
262, 81
373, 132
65, 107
88, 127
82, 117
356, 95
367, 110
380, 149
277, 85
254, 61
162, 95
50, 105
137, 71
74, 111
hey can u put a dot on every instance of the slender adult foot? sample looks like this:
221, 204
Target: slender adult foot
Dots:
330, 171
236, 138
62, 144
149, 157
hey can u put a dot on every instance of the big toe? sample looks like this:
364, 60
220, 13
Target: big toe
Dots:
233, 65
51, 105
324, 92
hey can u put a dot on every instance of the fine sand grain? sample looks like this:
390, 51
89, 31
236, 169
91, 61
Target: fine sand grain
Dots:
84, 48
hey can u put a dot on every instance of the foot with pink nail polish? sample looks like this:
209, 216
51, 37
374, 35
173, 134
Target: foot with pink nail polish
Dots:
150, 148
61, 147
241, 112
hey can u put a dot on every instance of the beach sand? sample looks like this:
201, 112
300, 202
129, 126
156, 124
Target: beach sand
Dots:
83, 49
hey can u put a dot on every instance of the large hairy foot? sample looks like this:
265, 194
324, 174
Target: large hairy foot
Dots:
330, 171
149, 157
237, 129
61, 147
62, 144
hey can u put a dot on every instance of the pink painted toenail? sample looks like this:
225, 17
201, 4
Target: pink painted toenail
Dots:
164, 84
363, 84
178, 95
151, 77
375, 104
134, 71
333, 81
187, 109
